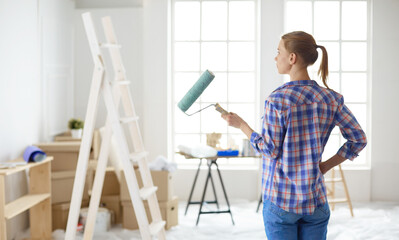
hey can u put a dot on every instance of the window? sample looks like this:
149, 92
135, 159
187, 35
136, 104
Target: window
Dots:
220, 36
342, 27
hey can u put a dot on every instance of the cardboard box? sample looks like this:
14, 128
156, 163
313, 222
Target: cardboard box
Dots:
113, 204
62, 186
161, 179
95, 145
65, 154
60, 214
169, 213
111, 184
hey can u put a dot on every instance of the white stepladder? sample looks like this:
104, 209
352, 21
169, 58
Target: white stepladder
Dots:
112, 96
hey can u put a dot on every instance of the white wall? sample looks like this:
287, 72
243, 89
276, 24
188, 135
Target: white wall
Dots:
385, 111
26, 53
20, 89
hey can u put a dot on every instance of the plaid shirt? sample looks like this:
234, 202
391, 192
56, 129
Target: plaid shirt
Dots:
299, 117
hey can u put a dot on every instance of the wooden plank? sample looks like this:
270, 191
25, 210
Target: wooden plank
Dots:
3, 228
23, 167
16, 207
98, 182
66, 146
39, 178
40, 220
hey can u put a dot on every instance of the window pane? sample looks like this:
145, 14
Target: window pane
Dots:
241, 87
217, 90
332, 81
214, 56
187, 124
241, 57
211, 121
246, 112
214, 21
187, 21
299, 16
354, 20
333, 55
354, 87
360, 113
182, 83
242, 20
326, 20
354, 56
186, 57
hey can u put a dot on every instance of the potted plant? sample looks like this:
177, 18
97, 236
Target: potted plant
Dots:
76, 126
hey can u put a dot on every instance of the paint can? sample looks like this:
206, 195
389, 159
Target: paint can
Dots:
103, 219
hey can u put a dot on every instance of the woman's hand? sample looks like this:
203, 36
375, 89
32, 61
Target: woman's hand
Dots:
233, 120
236, 121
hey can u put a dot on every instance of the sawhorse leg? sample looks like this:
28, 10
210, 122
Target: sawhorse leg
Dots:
209, 177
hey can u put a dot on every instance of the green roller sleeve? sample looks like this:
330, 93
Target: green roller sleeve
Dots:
196, 91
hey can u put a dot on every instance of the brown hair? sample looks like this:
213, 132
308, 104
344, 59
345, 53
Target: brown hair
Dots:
304, 45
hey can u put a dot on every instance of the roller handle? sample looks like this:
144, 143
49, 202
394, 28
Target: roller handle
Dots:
220, 109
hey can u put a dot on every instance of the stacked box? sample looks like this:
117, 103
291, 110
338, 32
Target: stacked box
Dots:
167, 202
60, 213
63, 168
169, 213
162, 179
62, 186
65, 154
95, 144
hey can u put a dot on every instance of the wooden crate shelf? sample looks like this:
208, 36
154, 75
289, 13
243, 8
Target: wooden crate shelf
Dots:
37, 201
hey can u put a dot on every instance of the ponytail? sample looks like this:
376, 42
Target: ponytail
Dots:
323, 70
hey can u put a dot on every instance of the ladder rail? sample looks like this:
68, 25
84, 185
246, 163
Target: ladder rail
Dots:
84, 152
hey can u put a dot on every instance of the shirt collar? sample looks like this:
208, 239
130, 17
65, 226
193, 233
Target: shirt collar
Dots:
298, 83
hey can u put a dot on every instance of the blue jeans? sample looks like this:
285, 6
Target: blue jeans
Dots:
283, 225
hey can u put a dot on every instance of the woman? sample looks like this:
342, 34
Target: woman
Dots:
299, 117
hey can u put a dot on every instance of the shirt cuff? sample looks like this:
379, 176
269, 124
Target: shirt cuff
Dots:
254, 136
346, 153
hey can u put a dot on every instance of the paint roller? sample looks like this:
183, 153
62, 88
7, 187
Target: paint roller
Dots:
196, 90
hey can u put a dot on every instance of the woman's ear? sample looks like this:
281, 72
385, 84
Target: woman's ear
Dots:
292, 58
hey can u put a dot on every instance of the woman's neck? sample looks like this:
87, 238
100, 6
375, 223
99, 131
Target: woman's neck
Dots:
299, 74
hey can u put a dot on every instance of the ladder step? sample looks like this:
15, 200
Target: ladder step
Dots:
155, 227
109, 45
137, 156
145, 192
129, 119
338, 200
329, 180
120, 82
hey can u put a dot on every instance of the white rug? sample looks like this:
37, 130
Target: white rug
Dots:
374, 221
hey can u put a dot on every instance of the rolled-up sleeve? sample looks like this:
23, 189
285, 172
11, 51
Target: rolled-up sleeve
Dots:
269, 143
352, 132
